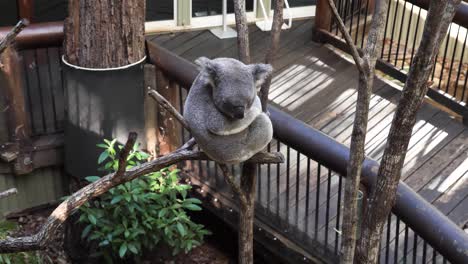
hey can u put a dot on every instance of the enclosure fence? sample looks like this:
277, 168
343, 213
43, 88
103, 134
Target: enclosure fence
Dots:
402, 34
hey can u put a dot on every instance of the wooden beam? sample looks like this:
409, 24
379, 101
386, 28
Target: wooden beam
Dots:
323, 18
26, 9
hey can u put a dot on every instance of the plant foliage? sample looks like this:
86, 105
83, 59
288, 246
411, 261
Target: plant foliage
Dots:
141, 213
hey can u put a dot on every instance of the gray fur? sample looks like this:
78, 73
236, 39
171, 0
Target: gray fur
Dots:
224, 111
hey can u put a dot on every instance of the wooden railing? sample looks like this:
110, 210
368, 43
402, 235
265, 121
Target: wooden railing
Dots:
403, 32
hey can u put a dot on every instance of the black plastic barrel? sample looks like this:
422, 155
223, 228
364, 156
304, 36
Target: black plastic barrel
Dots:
100, 104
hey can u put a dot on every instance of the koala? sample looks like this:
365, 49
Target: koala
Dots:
224, 112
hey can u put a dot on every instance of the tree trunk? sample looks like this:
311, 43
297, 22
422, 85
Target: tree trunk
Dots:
273, 50
247, 213
382, 195
242, 31
358, 136
104, 34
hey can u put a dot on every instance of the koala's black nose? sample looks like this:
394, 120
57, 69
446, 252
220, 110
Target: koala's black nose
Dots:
239, 112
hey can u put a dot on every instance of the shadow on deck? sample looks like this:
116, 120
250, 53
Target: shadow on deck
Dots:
318, 86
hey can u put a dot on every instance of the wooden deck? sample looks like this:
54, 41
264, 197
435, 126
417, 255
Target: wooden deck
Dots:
318, 86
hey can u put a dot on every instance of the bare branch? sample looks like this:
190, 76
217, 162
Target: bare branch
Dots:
125, 152
8, 192
273, 50
242, 31
232, 182
354, 51
166, 105
4, 43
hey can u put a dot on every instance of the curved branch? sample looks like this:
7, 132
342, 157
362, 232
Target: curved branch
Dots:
354, 51
166, 105
4, 43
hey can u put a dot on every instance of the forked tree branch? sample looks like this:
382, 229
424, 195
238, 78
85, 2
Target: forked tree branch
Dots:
4, 43
349, 40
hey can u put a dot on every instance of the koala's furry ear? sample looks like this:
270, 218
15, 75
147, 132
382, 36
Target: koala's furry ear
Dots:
205, 64
260, 72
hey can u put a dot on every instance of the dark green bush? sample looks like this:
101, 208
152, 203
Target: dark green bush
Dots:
141, 213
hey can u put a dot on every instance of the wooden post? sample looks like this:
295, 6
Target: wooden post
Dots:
168, 132
323, 19
26, 9
151, 125
19, 149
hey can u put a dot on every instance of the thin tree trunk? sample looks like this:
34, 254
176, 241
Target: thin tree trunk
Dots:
247, 213
271, 53
104, 34
382, 196
242, 31
366, 67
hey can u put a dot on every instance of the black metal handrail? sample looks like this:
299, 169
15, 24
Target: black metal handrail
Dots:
428, 222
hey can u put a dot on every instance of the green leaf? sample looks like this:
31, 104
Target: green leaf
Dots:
162, 213
116, 199
104, 155
192, 207
101, 145
92, 178
122, 250
132, 248
86, 231
181, 229
92, 219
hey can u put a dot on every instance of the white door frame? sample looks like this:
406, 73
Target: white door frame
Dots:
153, 27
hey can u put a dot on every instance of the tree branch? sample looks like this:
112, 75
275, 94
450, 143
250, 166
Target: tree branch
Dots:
8, 192
4, 43
349, 40
232, 182
166, 105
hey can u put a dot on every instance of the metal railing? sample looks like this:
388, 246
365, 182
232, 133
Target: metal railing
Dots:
302, 198
402, 34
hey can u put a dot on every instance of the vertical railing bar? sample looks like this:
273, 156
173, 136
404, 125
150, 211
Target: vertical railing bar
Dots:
288, 166
345, 13
386, 26
415, 247
460, 65
387, 247
405, 244
317, 201
351, 19
365, 24
338, 212
358, 21
181, 107
327, 212
278, 148
298, 170
415, 36
407, 37
397, 240
339, 12
434, 256
464, 87
451, 63
393, 30
444, 58
306, 228
269, 180
434, 68
424, 251
259, 183
399, 34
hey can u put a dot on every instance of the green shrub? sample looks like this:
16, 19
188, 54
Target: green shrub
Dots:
141, 213
21, 257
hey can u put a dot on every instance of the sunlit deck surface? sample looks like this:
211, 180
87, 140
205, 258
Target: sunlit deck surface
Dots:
316, 85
